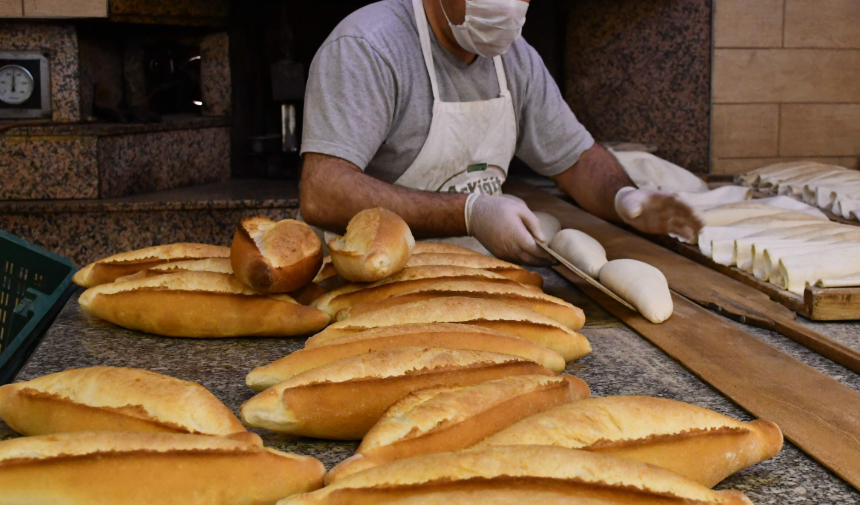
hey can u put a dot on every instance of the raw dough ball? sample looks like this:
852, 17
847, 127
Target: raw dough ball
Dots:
549, 224
642, 285
580, 249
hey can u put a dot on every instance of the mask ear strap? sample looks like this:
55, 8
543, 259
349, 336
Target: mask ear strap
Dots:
424, 34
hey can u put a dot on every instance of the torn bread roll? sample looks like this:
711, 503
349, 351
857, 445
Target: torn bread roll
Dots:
113, 267
116, 399
109, 468
554, 308
439, 335
491, 314
402, 282
692, 441
503, 268
641, 285
580, 249
576, 475
201, 305
378, 243
275, 257
344, 399
450, 419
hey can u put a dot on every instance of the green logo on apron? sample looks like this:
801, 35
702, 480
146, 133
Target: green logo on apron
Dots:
477, 167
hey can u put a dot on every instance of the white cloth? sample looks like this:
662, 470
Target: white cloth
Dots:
650, 172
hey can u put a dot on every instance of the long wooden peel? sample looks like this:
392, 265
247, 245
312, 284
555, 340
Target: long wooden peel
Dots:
584, 276
814, 411
697, 282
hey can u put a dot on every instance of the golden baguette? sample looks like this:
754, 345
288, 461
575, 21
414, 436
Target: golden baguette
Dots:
116, 399
200, 305
377, 243
405, 281
440, 248
113, 267
491, 314
577, 474
275, 257
441, 335
450, 419
127, 468
692, 441
503, 268
504, 496
550, 306
344, 399
218, 265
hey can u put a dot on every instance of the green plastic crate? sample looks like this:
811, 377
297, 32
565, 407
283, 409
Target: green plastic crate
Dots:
34, 286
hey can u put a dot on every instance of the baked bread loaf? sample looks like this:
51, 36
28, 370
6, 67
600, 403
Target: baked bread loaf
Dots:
402, 282
344, 399
275, 257
116, 399
692, 441
579, 475
450, 419
549, 306
120, 265
378, 243
111, 468
491, 314
441, 335
438, 247
218, 265
503, 268
200, 304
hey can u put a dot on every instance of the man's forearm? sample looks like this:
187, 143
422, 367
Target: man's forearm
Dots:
594, 181
333, 190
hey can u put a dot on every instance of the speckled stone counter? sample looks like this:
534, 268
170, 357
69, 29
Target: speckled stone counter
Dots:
622, 363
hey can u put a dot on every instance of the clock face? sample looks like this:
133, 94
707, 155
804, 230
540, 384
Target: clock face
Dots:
16, 84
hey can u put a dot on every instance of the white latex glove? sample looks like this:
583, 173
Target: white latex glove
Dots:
507, 228
657, 212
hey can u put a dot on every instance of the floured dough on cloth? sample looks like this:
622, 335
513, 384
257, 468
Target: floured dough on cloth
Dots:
794, 273
724, 215
782, 220
745, 248
580, 249
724, 250
848, 281
716, 197
765, 259
640, 284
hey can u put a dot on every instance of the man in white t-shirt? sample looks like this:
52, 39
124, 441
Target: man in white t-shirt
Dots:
418, 106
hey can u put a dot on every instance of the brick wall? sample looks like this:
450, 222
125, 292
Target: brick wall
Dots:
786, 83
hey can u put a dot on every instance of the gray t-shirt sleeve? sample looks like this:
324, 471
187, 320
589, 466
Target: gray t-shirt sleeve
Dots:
349, 102
550, 138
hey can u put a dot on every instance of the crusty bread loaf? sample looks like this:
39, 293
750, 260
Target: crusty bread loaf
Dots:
546, 469
440, 248
491, 314
442, 335
116, 399
503, 496
218, 265
120, 265
344, 399
378, 243
128, 468
275, 257
199, 304
554, 308
692, 441
450, 419
402, 282
503, 268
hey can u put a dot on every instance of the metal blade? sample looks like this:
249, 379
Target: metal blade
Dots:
587, 278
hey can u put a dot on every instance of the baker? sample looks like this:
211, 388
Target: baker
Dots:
418, 106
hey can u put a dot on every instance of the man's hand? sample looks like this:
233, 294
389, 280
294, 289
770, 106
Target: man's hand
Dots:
656, 212
507, 228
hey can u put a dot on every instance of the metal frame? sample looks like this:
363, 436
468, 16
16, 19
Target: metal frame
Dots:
44, 86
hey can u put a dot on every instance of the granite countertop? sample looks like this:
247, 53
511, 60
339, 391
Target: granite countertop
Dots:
622, 363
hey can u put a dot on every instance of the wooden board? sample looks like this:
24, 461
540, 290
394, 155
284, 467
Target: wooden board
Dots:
814, 411
66, 8
703, 285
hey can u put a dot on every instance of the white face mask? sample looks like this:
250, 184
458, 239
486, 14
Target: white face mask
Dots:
491, 26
